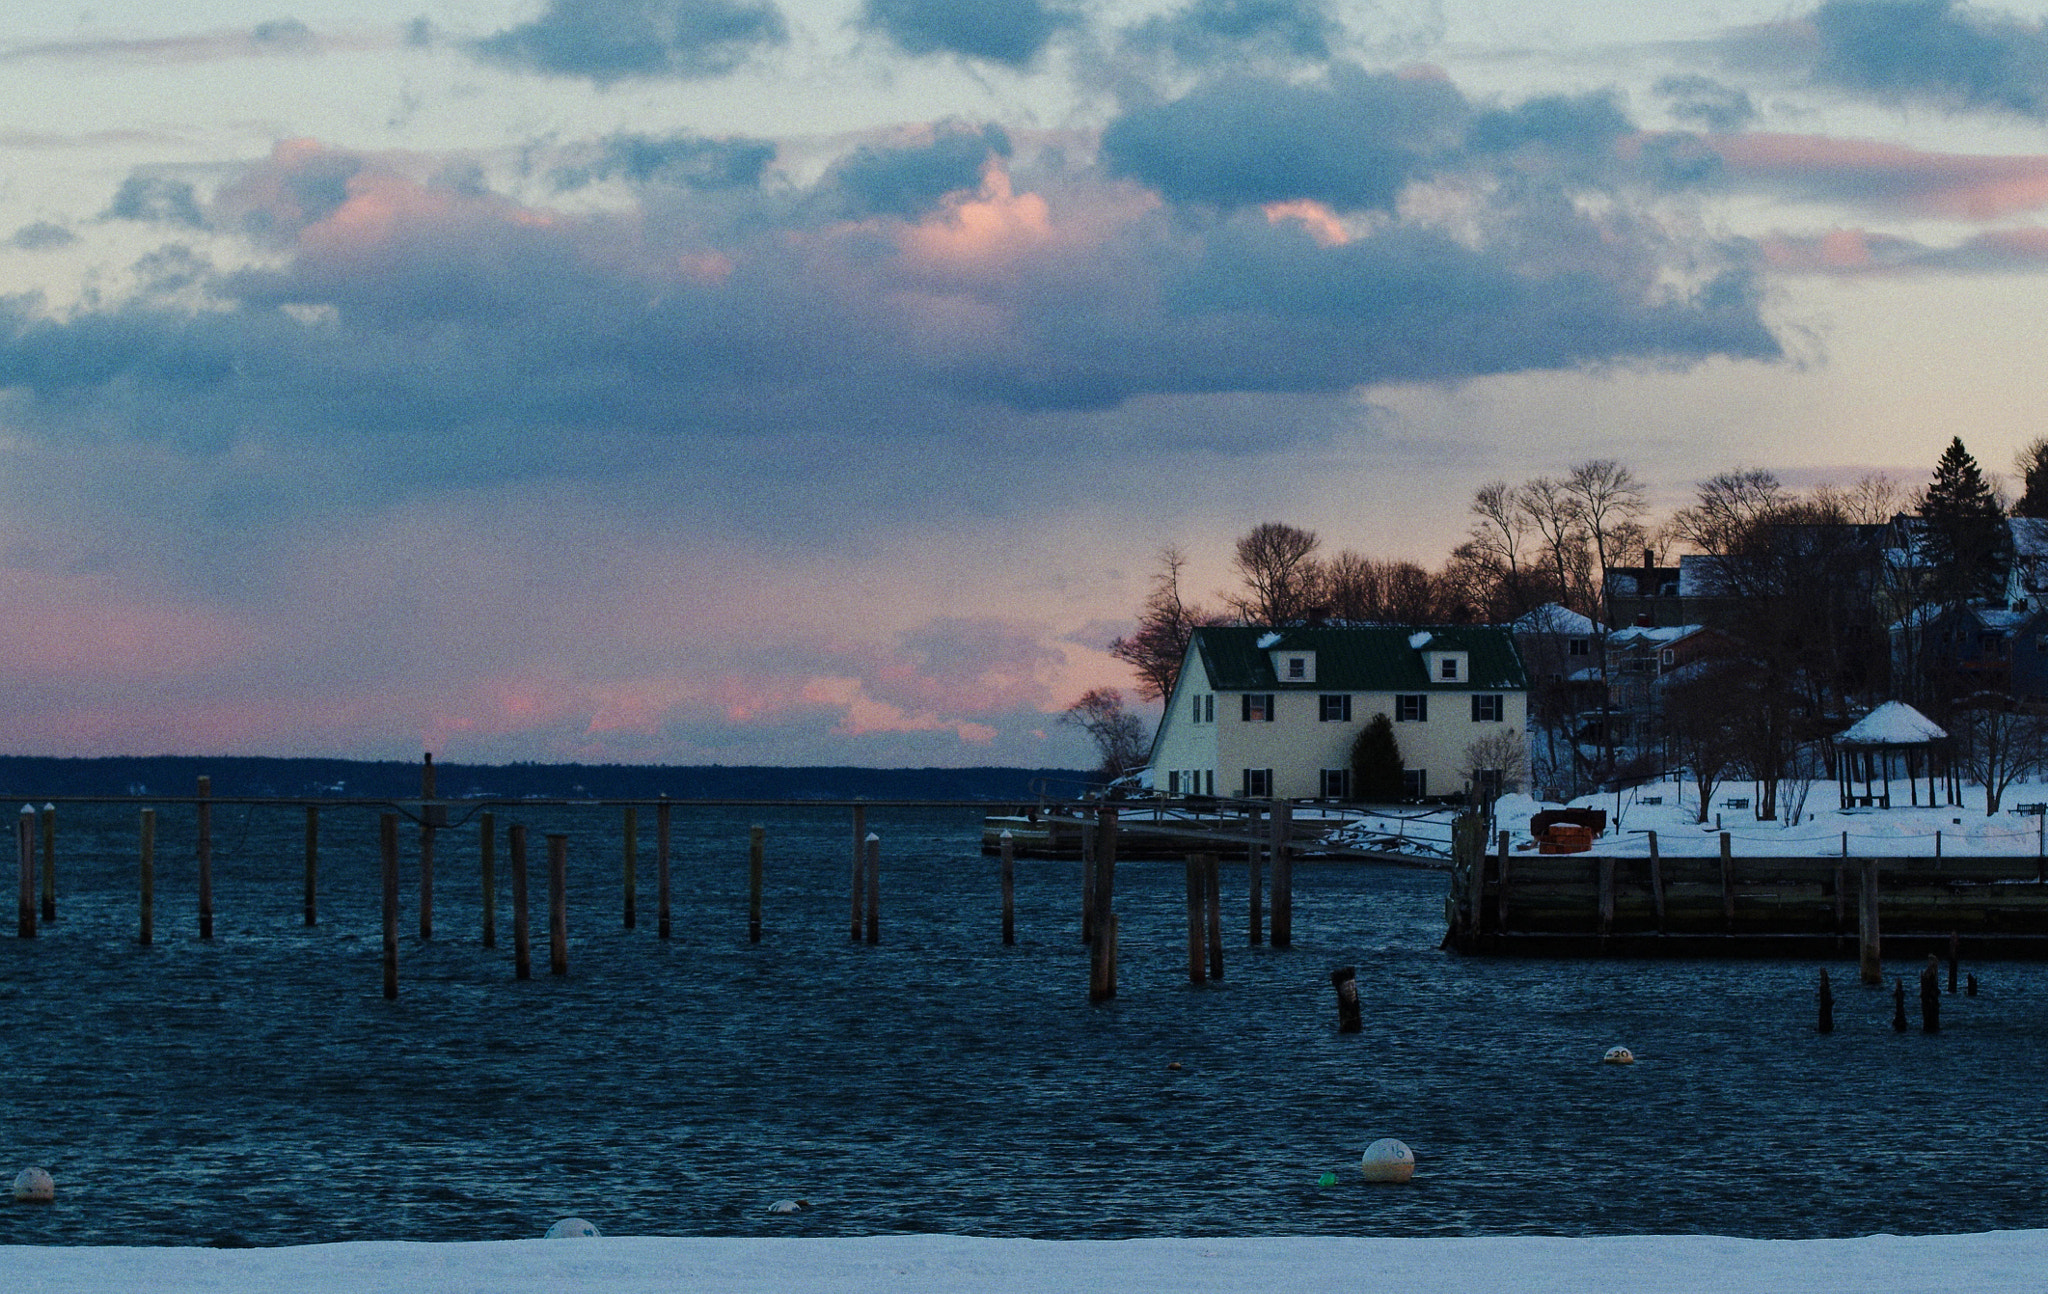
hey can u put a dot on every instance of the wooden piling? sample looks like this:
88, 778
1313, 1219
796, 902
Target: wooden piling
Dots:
755, 839
860, 854
427, 816
387, 839
1868, 940
1606, 897
1727, 883
1345, 980
1009, 879
873, 872
487, 869
1954, 942
661, 822
1102, 956
1213, 900
1256, 917
1827, 1004
1283, 874
1657, 882
522, 928
205, 858
49, 825
558, 903
630, 863
25, 848
312, 864
1198, 971
1930, 995
148, 850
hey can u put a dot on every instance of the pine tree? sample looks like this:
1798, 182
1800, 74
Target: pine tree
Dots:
1376, 766
1969, 547
2032, 465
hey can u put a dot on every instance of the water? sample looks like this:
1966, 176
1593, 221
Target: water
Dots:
259, 1089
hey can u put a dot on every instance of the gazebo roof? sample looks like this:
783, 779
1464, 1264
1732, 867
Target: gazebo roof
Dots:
1892, 724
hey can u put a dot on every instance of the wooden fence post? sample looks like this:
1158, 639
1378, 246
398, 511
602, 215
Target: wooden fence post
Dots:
661, 821
148, 844
522, 927
487, 869
312, 864
49, 822
387, 841
1009, 868
558, 903
631, 862
25, 848
205, 858
755, 834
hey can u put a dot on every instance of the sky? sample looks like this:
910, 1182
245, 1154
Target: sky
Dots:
815, 381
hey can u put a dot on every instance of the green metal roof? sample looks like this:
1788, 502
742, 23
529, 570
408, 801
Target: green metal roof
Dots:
1359, 659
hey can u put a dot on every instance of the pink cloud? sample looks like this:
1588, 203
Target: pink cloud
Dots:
1952, 185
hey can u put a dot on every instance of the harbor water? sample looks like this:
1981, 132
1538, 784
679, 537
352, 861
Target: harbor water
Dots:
259, 1089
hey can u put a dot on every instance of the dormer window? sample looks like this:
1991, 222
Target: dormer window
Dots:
1294, 666
1297, 667
1445, 666
1447, 670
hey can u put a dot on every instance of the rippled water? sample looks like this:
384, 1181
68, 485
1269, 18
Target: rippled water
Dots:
259, 1088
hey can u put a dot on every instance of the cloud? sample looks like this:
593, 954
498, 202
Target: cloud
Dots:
1931, 52
1353, 140
1010, 32
605, 41
1208, 33
680, 161
910, 181
1860, 253
1706, 103
1575, 125
155, 200
1964, 186
41, 235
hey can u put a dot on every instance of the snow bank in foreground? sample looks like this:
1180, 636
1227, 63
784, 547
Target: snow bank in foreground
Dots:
1992, 1263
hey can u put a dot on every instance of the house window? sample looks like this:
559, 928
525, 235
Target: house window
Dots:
1447, 669
1667, 658
1258, 783
1488, 707
1414, 783
1198, 710
1578, 647
1337, 709
1209, 776
1173, 782
1258, 707
1336, 784
1297, 667
1209, 707
1411, 709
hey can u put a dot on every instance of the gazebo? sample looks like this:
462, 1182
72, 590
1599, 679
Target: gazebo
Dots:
1867, 749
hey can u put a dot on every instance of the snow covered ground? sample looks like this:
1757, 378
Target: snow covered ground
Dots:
1991, 1263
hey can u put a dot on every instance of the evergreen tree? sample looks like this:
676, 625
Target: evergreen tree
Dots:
1968, 546
1376, 765
2032, 465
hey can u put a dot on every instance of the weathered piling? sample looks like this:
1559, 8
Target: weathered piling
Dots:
755, 835
860, 853
1899, 1005
25, 848
661, 822
1009, 881
427, 816
522, 919
1102, 955
147, 934
1197, 961
1213, 899
630, 862
49, 825
873, 872
312, 864
1930, 995
1727, 882
1283, 875
205, 858
1656, 881
487, 869
1869, 944
558, 903
1827, 1004
387, 839
1087, 882
1345, 980
1255, 883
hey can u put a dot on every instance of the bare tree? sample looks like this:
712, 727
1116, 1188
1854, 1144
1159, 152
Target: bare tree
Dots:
1165, 627
1998, 744
1611, 505
1277, 564
1119, 736
1553, 513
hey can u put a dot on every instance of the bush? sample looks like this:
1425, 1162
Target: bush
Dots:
1376, 766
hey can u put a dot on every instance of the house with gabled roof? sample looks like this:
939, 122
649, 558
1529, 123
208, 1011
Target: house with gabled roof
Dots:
1273, 713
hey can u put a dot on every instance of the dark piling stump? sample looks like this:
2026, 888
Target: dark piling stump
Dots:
1102, 955
1930, 995
1345, 980
522, 924
630, 882
1899, 1004
558, 904
1213, 900
205, 858
1827, 1005
1969, 986
148, 850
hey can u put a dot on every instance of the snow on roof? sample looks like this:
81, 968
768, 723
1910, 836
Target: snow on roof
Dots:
1419, 639
1892, 724
1268, 640
1649, 634
1553, 618
1701, 575
2029, 537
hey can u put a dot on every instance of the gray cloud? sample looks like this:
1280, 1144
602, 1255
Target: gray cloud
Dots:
155, 200
910, 181
41, 235
1353, 140
611, 40
1210, 32
1584, 125
1706, 103
1011, 32
1932, 52
680, 161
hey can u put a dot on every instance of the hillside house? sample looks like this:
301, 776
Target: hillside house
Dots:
1272, 713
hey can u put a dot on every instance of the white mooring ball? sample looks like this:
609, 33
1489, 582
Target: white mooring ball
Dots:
1387, 1160
572, 1229
1618, 1056
33, 1186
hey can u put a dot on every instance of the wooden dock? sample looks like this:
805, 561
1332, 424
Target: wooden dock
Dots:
1580, 905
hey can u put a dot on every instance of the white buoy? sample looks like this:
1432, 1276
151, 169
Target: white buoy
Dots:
33, 1186
572, 1229
1387, 1160
1618, 1056
788, 1206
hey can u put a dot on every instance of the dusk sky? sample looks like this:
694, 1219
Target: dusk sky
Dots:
813, 381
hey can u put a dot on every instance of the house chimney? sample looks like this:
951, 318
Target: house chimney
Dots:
1649, 559
1643, 620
